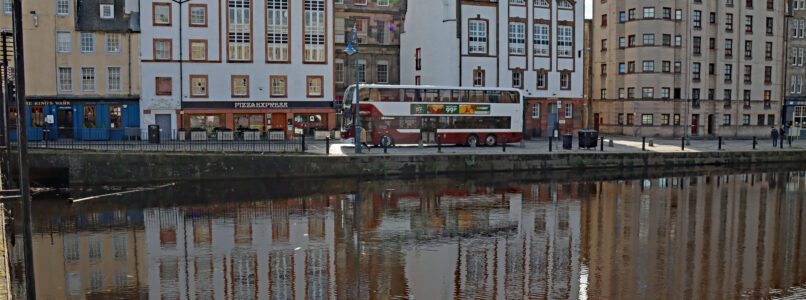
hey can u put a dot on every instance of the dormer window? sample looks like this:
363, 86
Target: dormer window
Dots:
107, 11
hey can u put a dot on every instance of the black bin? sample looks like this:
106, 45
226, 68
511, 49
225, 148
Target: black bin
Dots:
568, 143
588, 138
153, 134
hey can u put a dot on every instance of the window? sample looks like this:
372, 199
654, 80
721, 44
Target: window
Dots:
62, 7
542, 3
768, 50
603, 69
748, 49
748, 73
382, 72
649, 39
648, 93
162, 49
630, 119
666, 66
631, 40
622, 68
107, 11
748, 23
666, 40
65, 79
239, 35
770, 26
648, 66
631, 93
728, 72
760, 121
541, 39
697, 19
695, 71
198, 15
339, 71
90, 118
569, 111
565, 80
64, 42
649, 12
697, 45
198, 50
631, 14
564, 4
279, 86
667, 13
161, 14
664, 119
164, 86
198, 86
622, 43
630, 67
604, 44
678, 14
517, 38
315, 36
314, 86
726, 120
277, 31
536, 111
678, 41
240, 86
622, 17
565, 41
362, 70
603, 94
418, 59
728, 47
116, 121
360, 2
665, 93
620, 119
478, 77
113, 82
728, 22
604, 20
542, 80
477, 36
647, 119
676, 120
386, 2
113, 43
621, 94
87, 42
88, 79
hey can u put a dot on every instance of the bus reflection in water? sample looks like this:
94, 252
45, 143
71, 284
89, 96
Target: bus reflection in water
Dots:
394, 114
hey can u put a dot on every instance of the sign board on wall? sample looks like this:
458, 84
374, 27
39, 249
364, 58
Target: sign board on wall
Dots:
450, 109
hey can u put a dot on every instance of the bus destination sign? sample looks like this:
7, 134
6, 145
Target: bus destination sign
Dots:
450, 109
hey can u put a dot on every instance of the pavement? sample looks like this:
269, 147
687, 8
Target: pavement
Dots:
612, 145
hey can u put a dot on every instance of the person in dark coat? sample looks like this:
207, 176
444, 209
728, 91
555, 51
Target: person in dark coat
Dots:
774, 134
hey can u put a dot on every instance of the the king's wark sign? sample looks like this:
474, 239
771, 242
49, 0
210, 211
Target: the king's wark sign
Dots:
450, 109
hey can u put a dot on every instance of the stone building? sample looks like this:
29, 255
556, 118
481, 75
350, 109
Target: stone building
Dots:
688, 68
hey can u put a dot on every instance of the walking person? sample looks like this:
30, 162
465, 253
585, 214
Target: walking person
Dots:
783, 135
774, 135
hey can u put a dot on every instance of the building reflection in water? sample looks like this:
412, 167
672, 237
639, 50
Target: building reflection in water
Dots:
702, 237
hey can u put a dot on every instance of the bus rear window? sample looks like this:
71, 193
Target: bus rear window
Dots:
390, 95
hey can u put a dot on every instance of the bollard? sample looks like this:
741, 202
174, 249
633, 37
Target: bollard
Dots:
504, 144
611, 144
643, 144
720, 143
303, 143
782, 142
755, 142
683, 144
790, 141
601, 145
652, 143
550, 142
439, 144
385, 148
327, 145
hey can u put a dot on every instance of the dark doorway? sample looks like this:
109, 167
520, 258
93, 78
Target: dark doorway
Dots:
710, 124
166, 130
64, 122
695, 124
596, 122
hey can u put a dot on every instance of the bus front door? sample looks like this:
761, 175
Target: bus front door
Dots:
428, 133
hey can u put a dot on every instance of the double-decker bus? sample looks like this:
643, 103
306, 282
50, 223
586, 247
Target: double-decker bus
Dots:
408, 114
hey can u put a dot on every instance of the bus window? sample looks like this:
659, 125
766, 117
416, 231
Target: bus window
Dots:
374, 94
418, 95
458, 96
509, 97
431, 95
475, 96
363, 94
445, 96
408, 95
390, 95
348, 98
493, 96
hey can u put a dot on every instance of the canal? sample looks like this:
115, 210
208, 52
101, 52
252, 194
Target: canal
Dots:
710, 233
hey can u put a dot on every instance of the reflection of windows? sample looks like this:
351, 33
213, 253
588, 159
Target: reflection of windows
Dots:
162, 49
120, 245
316, 271
89, 116
198, 49
116, 116
541, 39
94, 240
198, 15
161, 14
74, 283
315, 36
198, 86
71, 247
314, 84
281, 274
277, 30
239, 30
477, 36
279, 86
240, 86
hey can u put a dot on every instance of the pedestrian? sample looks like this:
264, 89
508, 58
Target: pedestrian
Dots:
364, 138
774, 135
783, 134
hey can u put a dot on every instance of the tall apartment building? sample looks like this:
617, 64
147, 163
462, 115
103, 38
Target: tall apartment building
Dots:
378, 24
82, 70
688, 68
237, 64
535, 46
794, 111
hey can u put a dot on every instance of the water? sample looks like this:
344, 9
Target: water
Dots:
643, 234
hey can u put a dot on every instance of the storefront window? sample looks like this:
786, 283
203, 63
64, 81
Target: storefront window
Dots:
12, 117
309, 121
206, 122
799, 117
89, 117
115, 117
253, 122
37, 117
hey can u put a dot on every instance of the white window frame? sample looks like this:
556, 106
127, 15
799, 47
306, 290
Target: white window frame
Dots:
112, 42
569, 110
87, 42
87, 83
64, 45
477, 36
277, 31
536, 111
62, 8
193, 16
382, 75
338, 68
542, 3
565, 41
542, 39
362, 71
315, 33
517, 38
64, 84
239, 38
112, 77
107, 11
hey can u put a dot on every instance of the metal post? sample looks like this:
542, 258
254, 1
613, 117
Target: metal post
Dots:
683, 144
22, 146
789, 138
357, 120
6, 103
754, 143
550, 142
303, 143
385, 148
505, 144
782, 142
439, 144
720, 143
327, 145
643, 144
601, 145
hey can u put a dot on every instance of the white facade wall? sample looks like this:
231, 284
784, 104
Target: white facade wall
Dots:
217, 68
431, 26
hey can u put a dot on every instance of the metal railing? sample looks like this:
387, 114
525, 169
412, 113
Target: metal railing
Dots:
176, 141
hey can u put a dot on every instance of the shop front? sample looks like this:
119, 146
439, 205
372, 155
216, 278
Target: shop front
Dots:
795, 114
78, 119
289, 118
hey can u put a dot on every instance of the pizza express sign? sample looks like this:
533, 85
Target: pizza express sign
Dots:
257, 105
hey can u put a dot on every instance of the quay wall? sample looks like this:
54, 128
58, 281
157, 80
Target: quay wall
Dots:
127, 168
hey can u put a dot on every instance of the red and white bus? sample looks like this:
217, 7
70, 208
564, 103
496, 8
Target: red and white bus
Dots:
400, 114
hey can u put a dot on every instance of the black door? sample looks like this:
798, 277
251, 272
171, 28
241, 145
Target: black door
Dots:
64, 120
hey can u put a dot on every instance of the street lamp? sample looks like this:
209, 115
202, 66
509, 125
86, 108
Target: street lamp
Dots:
350, 51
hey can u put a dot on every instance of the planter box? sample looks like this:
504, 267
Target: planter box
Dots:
198, 136
276, 135
321, 134
226, 135
251, 135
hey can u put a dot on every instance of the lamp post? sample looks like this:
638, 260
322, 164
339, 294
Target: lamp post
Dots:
351, 51
181, 60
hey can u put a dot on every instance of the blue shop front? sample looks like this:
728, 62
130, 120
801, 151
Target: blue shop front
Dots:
79, 119
795, 114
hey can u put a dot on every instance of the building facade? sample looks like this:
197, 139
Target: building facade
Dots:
237, 65
794, 112
535, 46
82, 79
688, 68
378, 25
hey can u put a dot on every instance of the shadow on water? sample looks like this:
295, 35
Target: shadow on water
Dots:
694, 233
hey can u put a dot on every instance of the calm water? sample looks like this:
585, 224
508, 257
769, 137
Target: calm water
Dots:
703, 234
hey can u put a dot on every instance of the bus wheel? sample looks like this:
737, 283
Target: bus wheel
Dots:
491, 140
386, 141
472, 140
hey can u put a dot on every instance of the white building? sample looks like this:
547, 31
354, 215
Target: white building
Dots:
534, 45
237, 64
